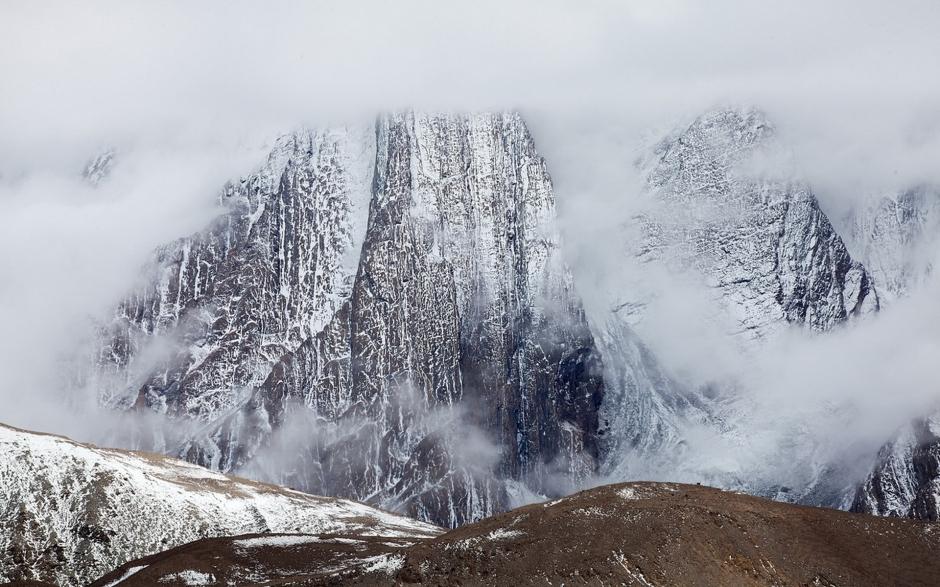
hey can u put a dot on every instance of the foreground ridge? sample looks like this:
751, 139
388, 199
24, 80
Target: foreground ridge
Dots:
626, 534
71, 511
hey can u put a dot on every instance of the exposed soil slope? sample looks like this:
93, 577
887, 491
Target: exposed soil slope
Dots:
628, 534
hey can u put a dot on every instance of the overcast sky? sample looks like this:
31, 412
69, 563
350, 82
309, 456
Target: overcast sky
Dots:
76, 75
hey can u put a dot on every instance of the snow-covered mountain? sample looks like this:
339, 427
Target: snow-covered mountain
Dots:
384, 313
762, 247
746, 256
70, 512
376, 281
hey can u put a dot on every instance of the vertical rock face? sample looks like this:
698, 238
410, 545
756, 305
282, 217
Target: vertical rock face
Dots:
462, 311
383, 313
404, 292
217, 309
762, 250
905, 481
764, 247
899, 236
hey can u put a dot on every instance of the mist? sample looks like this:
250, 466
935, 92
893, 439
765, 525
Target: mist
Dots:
188, 95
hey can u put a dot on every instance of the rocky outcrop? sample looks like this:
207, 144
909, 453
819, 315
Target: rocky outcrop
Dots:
906, 479
99, 167
899, 236
896, 236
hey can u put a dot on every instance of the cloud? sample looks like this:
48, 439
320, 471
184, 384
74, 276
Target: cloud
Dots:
70, 251
188, 92
127, 69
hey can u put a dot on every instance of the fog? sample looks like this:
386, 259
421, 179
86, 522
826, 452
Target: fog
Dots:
189, 94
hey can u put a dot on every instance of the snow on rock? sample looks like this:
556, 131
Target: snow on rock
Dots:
504, 534
762, 246
384, 563
99, 168
190, 577
747, 256
374, 281
216, 310
70, 512
905, 479
127, 575
628, 493
281, 541
898, 237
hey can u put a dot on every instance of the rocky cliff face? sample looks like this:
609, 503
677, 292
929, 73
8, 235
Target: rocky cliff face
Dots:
905, 481
763, 252
763, 247
217, 309
383, 282
71, 512
897, 238
383, 313
899, 234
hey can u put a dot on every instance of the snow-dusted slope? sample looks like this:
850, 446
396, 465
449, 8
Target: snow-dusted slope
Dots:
647, 412
70, 512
